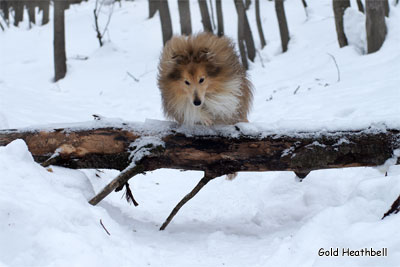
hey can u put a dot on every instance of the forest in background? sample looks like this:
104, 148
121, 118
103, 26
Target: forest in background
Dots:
212, 18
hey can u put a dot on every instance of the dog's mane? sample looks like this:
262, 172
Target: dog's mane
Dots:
231, 97
217, 53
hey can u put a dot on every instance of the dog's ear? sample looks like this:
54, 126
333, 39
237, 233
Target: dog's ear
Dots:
180, 59
206, 55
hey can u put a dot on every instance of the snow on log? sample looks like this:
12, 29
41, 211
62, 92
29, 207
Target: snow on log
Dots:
218, 150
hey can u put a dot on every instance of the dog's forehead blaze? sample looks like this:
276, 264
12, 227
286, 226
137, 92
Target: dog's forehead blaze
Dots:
194, 71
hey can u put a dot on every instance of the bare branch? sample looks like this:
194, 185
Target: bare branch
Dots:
105, 229
337, 67
207, 177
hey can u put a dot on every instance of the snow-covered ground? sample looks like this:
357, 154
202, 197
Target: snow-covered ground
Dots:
259, 219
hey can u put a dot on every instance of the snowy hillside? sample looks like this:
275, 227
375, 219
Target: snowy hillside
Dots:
258, 219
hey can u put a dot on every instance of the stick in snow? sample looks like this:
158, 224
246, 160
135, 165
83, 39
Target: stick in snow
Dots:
207, 177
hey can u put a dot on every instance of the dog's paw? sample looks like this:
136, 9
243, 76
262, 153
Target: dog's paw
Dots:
207, 122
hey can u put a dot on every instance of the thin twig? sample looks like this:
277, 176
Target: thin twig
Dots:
109, 19
133, 77
104, 227
79, 57
261, 59
188, 197
99, 36
96, 12
394, 209
305, 8
129, 196
101, 5
337, 67
297, 89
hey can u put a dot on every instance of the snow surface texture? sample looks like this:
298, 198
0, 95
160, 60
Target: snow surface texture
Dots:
259, 219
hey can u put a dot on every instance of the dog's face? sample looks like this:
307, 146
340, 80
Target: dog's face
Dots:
195, 82
193, 74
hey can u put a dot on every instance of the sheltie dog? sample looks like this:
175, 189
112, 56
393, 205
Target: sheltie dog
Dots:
202, 81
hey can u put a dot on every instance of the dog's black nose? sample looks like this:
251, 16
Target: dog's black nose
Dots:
197, 102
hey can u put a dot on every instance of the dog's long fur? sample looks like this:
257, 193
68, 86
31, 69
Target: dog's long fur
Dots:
202, 81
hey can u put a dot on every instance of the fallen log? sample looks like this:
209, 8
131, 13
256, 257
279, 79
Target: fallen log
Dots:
137, 148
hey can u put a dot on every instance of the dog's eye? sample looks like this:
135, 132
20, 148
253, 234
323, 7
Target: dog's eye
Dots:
201, 80
188, 83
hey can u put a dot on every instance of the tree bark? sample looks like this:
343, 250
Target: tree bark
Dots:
205, 16
220, 18
283, 26
305, 7
153, 7
44, 6
60, 58
247, 4
212, 15
165, 17
259, 24
375, 24
31, 12
18, 12
245, 30
360, 6
242, 48
184, 15
241, 42
4, 5
339, 7
88, 146
386, 6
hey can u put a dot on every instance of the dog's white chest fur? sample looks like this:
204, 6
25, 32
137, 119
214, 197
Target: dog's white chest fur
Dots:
219, 108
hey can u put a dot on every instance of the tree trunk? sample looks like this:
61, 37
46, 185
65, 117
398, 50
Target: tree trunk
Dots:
242, 48
360, 6
220, 18
31, 12
339, 7
259, 24
165, 17
205, 16
386, 5
45, 6
375, 24
245, 32
19, 12
4, 5
305, 7
60, 67
184, 15
212, 15
153, 7
247, 4
283, 26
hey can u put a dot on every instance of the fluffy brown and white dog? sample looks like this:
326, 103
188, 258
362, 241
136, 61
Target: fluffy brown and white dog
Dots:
202, 81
